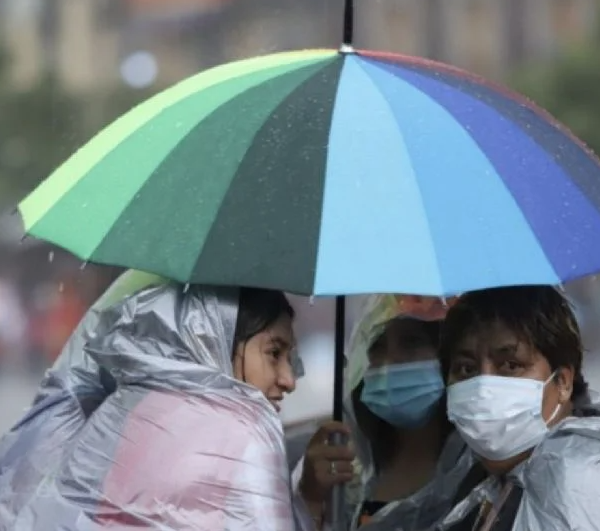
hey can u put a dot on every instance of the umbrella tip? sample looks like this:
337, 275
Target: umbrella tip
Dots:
83, 266
186, 288
347, 49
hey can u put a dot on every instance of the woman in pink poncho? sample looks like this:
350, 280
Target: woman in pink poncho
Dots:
188, 438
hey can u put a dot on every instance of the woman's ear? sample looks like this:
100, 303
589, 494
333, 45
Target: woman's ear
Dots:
564, 381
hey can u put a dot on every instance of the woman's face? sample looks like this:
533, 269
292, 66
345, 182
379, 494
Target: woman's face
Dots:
264, 361
404, 341
494, 349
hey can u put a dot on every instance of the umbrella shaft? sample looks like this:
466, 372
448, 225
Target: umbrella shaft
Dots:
340, 337
348, 22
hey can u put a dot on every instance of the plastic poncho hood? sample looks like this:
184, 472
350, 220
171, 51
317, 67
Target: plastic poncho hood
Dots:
141, 424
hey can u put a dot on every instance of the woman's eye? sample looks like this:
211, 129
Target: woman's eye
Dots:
463, 370
274, 353
466, 370
512, 365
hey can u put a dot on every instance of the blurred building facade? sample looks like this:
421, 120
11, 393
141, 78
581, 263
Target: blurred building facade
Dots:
487, 36
85, 42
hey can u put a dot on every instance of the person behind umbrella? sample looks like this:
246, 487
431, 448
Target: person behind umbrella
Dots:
188, 437
517, 396
397, 411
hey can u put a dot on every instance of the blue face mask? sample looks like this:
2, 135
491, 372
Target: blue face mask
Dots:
404, 394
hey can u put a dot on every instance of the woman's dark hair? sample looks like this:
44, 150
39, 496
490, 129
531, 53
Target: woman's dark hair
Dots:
537, 315
382, 436
258, 309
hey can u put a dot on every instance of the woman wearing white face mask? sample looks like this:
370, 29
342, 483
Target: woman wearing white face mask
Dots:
513, 357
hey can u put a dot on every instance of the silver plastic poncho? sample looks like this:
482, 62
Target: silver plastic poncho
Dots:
140, 425
560, 481
425, 507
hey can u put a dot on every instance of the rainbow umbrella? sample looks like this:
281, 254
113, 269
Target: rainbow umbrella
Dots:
324, 172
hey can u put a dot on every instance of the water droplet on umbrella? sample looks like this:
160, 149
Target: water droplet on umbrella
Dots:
83, 266
311, 300
51, 256
61, 287
444, 302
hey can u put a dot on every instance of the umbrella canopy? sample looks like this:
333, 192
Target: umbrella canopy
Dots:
327, 173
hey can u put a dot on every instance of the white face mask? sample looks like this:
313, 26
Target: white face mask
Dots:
499, 417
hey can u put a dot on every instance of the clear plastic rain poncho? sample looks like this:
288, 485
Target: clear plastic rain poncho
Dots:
140, 425
421, 510
560, 482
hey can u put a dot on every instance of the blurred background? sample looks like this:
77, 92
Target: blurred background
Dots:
69, 67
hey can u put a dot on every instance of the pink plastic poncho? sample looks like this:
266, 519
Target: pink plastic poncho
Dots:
145, 428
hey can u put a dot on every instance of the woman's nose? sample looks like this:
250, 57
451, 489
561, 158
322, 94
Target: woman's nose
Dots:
487, 367
287, 380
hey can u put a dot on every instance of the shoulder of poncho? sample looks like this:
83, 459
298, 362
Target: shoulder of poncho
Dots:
561, 482
569, 451
248, 417
582, 433
243, 408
